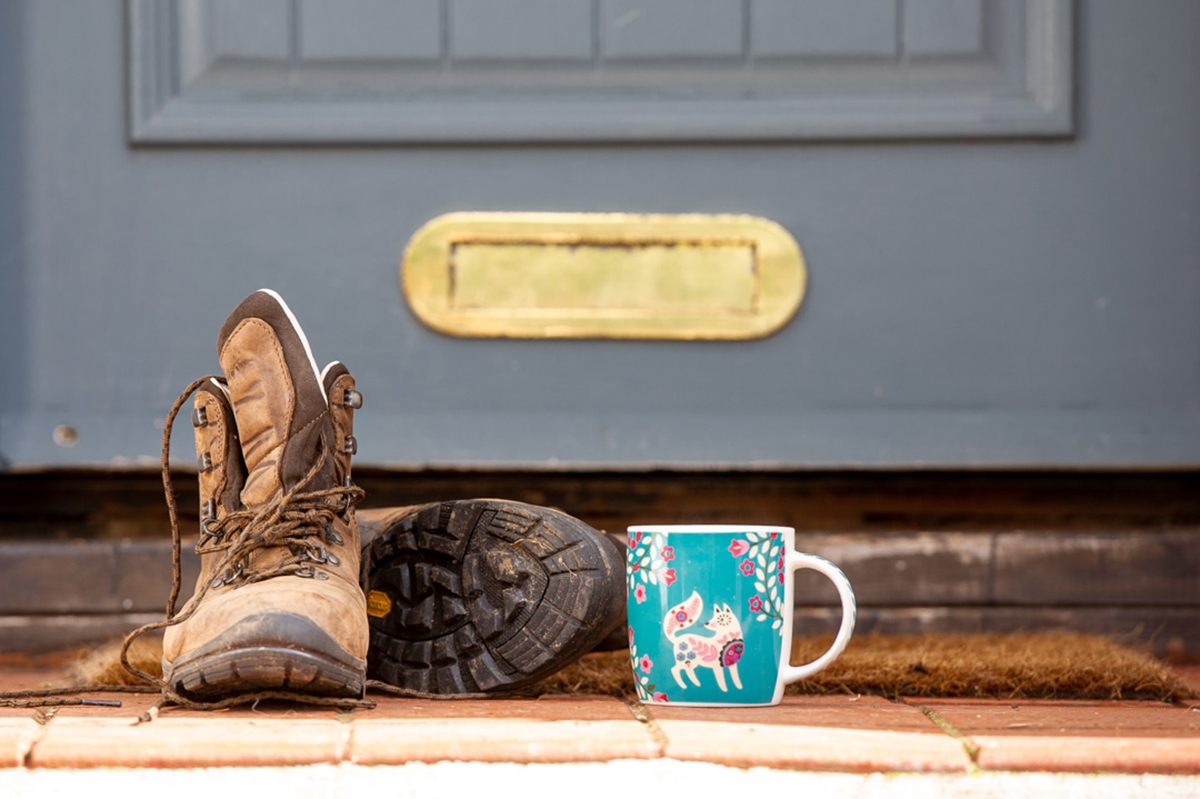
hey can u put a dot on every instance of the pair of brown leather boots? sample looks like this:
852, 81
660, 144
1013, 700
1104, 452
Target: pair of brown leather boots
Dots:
300, 593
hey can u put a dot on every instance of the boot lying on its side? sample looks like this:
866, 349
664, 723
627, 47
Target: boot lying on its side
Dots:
484, 594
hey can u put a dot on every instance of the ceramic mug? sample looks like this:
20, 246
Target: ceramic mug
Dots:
710, 613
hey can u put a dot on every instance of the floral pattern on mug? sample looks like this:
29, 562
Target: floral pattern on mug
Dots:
648, 563
764, 562
642, 668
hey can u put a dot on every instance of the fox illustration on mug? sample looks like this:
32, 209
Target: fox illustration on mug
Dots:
719, 651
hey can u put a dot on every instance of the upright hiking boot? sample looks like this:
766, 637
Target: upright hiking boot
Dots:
278, 606
484, 594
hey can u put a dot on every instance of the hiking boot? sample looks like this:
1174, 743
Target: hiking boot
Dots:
278, 604
484, 594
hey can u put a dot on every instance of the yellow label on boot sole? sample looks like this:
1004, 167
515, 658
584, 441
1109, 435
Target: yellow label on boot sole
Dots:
379, 604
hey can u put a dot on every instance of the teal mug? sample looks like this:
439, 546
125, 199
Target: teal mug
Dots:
710, 613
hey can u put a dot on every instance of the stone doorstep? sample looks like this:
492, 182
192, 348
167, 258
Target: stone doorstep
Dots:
834, 733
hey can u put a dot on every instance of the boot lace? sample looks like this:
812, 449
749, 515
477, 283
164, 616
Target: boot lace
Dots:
291, 521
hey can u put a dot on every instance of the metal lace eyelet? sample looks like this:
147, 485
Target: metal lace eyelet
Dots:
200, 416
333, 537
229, 576
205, 461
351, 446
352, 399
319, 554
308, 571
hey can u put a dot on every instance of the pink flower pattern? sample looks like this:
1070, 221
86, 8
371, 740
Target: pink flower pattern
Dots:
659, 696
766, 549
639, 593
646, 664
668, 576
668, 553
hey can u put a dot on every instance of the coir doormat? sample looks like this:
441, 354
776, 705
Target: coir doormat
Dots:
1020, 666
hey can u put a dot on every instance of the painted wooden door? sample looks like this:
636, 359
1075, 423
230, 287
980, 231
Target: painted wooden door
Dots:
997, 202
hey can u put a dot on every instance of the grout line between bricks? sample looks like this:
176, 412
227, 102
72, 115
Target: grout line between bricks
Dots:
27, 743
639, 712
345, 747
969, 746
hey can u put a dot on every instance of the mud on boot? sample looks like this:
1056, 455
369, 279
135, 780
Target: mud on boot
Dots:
483, 594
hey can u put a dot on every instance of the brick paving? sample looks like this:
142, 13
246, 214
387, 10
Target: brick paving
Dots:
828, 733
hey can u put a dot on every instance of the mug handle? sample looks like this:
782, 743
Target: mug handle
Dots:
796, 561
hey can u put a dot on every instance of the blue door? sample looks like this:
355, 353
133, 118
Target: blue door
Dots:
996, 200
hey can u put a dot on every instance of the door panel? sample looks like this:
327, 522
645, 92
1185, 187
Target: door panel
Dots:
598, 70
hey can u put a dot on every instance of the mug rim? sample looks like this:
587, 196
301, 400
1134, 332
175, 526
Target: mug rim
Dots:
694, 529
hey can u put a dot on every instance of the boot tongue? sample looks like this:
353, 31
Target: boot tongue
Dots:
277, 399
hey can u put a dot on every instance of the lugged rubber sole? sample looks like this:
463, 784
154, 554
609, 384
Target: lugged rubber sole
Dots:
485, 595
268, 652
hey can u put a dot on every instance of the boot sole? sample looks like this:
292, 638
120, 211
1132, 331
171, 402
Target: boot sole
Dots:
484, 595
269, 652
